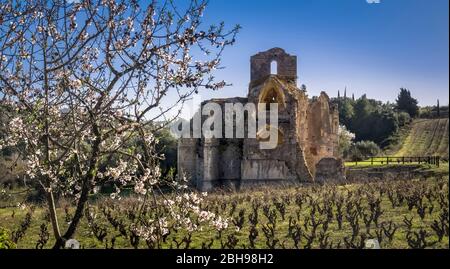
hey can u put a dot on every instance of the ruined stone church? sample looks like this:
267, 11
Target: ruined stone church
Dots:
307, 134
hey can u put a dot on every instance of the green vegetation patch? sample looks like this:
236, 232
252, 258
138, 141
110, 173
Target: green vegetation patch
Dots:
399, 214
427, 137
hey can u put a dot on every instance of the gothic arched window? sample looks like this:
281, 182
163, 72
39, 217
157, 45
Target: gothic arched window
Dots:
271, 96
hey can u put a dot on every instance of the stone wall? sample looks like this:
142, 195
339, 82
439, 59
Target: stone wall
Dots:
330, 170
307, 130
261, 62
187, 159
322, 131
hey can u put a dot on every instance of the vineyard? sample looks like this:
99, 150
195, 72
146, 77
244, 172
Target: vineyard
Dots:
399, 214
427, 137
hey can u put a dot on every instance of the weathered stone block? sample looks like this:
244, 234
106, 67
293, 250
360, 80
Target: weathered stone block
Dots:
330, 170
264, 170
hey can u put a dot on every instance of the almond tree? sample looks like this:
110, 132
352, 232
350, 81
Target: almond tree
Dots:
85, 78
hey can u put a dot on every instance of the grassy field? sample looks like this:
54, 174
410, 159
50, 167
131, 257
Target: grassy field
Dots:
424, 137
381, 161
443, 168
401, 214
427, 137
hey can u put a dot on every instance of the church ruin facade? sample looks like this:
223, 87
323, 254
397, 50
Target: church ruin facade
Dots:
307, 133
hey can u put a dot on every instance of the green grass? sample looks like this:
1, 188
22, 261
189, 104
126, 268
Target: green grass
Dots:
442, 169
424, 137
381, 161
427, 137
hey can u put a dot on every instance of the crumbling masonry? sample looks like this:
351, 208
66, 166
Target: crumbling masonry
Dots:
307, 129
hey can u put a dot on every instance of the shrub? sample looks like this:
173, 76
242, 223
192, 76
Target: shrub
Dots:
363, 149
5, 241
403, 118
345, 140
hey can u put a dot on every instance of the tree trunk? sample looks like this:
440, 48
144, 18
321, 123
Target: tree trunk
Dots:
53, 215
90, 177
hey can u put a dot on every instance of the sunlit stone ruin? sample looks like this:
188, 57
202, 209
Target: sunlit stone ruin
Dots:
307, 135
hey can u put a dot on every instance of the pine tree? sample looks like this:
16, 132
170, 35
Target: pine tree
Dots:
406, 103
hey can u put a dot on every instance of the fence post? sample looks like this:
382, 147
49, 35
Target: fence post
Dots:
403, 160
387, 160
371, 160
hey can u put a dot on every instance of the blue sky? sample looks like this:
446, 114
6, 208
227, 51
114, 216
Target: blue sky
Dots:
368, 48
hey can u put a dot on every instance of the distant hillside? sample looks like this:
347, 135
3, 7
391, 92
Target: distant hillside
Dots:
426, 137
